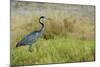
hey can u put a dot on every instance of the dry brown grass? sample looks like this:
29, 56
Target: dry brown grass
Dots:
67, 37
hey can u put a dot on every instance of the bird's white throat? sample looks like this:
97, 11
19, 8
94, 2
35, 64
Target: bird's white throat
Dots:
42, 20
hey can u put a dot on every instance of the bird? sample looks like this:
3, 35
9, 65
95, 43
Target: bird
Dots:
33, 36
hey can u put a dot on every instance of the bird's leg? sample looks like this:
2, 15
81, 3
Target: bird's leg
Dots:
37, 47
30, 48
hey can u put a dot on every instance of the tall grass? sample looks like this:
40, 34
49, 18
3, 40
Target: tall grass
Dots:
66, 41
67, 37
58, 50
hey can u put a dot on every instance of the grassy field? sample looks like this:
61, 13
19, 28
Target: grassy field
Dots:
58, 50
69, 34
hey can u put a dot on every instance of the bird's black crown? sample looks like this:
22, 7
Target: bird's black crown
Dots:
42, 17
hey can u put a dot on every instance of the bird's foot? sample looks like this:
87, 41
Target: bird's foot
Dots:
30, 48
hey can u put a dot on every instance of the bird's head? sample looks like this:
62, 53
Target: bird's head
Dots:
42, 19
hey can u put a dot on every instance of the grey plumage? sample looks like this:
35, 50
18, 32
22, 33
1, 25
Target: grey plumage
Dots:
32, 37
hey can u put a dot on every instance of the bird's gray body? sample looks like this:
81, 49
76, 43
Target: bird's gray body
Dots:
32, 37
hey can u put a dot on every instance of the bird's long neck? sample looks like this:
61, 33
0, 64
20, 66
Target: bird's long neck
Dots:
42, 28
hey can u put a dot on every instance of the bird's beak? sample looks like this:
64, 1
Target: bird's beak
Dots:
48, 18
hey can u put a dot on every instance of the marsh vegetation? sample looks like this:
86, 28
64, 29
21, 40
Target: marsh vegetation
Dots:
69, 34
